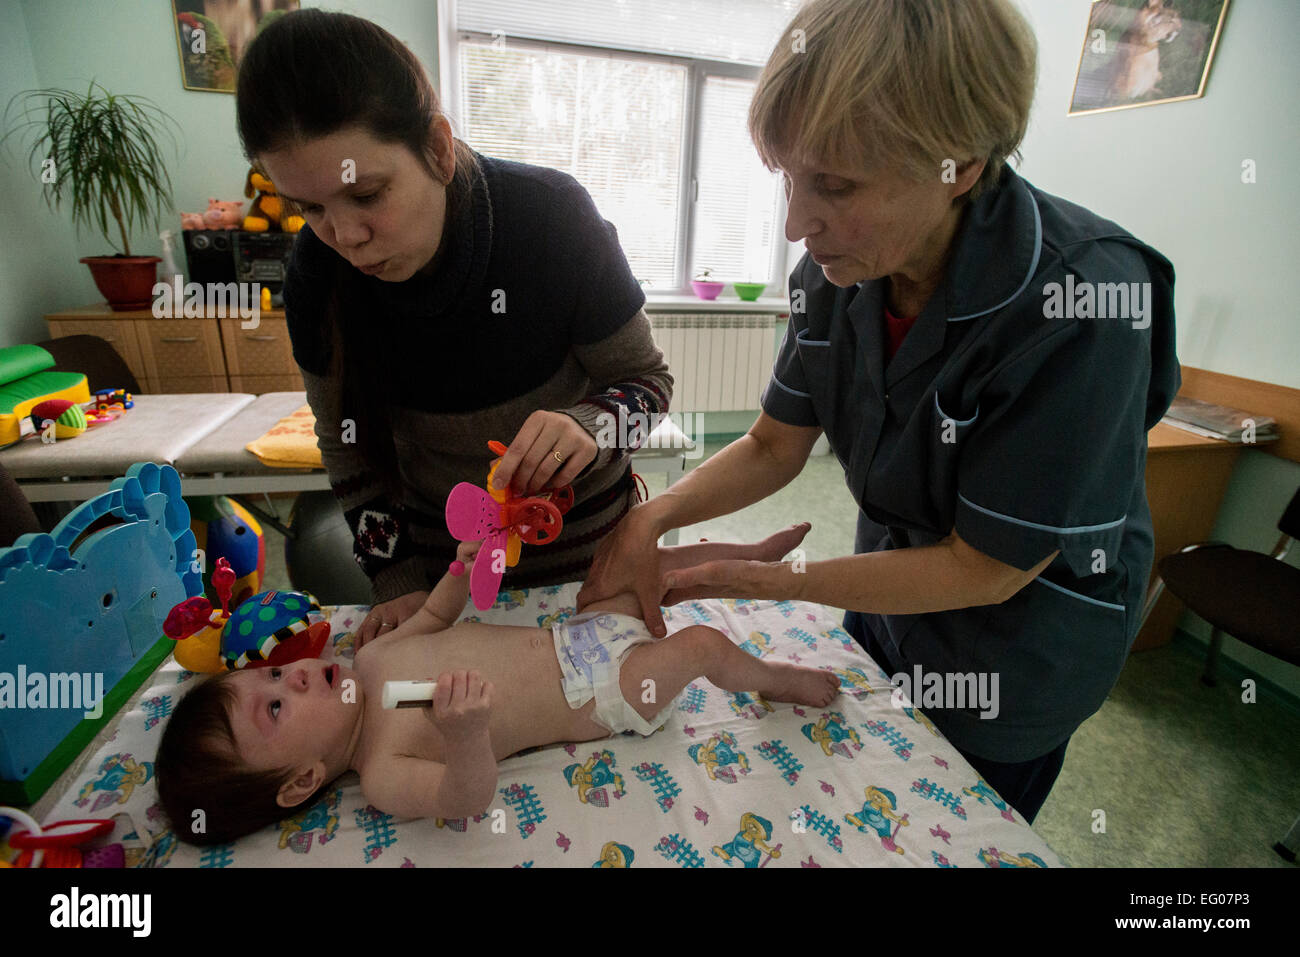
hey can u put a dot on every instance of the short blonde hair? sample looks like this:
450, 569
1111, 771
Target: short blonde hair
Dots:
890, 83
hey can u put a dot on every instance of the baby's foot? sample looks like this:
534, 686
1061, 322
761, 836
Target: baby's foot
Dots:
776, 547
799, 685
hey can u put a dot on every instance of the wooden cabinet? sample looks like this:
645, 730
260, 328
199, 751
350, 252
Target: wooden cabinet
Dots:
191, 355
261, 359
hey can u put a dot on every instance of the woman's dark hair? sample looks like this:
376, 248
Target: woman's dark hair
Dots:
198, 769
308, 75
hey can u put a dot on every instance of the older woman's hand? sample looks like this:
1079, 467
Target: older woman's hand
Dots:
627, 560
731, 579
387, 616
549, 451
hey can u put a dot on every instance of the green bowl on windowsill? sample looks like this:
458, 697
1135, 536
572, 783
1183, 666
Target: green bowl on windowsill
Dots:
749, 291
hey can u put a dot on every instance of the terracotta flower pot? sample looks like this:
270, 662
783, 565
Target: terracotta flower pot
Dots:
125, 281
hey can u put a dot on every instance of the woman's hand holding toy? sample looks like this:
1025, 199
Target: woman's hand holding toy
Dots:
548, 452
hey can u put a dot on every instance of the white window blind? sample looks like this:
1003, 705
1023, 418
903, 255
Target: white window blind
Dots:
614, 125
737, 31
644, 102
738, 196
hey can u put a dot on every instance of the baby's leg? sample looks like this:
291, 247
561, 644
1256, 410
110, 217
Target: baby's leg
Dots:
771, 549
674, 662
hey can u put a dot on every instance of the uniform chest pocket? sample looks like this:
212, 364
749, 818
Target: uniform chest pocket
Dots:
951, 430
948, 433
820, 373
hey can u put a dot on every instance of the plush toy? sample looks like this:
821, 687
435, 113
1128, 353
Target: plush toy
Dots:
221, 214
267, 213
269, 629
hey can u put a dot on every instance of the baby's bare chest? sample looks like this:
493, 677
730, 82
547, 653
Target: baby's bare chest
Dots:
519, 664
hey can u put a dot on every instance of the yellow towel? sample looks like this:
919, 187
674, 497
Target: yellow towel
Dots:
291, 444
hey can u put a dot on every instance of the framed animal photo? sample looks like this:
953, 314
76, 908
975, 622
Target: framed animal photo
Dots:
211, 36
1143, 52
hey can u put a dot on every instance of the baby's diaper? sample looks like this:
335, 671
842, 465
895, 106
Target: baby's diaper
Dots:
591, 648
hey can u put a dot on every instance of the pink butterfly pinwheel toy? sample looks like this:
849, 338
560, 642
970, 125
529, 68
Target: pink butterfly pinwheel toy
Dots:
502, 523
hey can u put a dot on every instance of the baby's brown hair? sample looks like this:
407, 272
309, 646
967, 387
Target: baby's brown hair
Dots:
199, 769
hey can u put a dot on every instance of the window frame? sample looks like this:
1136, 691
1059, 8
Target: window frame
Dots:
698, 70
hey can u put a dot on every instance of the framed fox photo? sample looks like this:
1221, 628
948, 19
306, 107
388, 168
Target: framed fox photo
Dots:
1143, 52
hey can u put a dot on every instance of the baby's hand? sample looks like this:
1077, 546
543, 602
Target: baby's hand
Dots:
462, 704
466, 551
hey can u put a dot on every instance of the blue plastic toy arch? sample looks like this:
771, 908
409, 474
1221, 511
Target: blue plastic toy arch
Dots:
90, 606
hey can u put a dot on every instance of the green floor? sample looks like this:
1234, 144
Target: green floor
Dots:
1186, 776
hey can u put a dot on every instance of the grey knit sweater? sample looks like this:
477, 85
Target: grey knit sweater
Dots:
457, 371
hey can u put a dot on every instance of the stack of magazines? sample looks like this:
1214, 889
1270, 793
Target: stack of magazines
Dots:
1220, 421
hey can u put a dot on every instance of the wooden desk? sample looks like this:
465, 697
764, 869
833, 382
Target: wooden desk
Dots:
1186, 477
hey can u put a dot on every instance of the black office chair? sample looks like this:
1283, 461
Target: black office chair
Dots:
102, 365
1251, 596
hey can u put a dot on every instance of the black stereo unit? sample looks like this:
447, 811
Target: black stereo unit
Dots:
210, 254
236, 255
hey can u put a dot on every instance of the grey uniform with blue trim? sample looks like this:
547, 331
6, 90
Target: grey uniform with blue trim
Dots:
1026, 434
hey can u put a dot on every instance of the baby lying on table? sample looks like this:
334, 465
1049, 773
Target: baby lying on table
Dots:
249, 747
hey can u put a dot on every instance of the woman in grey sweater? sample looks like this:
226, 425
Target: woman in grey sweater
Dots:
437, 299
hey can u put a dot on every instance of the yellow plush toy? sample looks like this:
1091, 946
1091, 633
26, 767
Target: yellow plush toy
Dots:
267, 208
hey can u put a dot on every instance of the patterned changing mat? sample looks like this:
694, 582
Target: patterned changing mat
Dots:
731, 781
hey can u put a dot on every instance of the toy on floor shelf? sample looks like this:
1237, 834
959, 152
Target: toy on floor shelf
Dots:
58, 844
502, 523
225, 529
268, 629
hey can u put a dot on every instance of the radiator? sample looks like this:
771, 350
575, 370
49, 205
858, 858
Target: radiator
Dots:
719, 362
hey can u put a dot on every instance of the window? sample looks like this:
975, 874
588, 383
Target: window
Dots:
641, 105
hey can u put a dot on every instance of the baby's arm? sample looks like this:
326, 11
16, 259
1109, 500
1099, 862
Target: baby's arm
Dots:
444, 604
464, 782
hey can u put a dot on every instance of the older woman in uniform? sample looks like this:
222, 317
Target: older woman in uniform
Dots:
985, 360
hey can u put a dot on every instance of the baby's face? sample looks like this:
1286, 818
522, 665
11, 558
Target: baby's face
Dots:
294, 715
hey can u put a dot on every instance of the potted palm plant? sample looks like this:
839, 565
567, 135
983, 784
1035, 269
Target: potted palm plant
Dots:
98, 149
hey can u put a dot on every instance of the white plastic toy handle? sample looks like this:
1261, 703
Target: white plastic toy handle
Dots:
409, 694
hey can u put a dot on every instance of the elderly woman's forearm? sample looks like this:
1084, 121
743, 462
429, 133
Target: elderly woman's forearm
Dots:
902, 581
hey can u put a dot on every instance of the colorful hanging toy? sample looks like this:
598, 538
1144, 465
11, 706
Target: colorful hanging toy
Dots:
273, 628
502, 523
